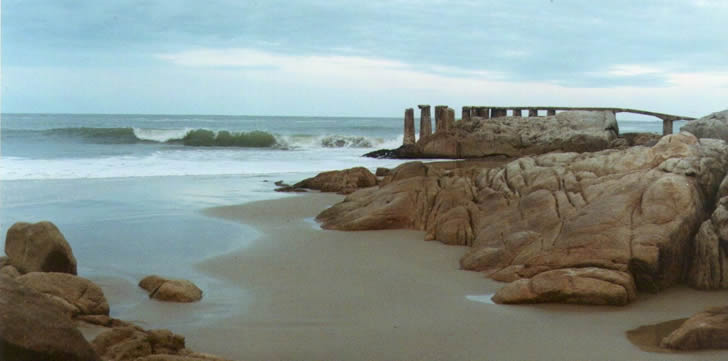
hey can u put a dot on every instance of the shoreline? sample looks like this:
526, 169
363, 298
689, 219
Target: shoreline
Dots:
318, 294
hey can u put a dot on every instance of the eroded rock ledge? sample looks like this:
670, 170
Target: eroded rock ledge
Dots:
565, 227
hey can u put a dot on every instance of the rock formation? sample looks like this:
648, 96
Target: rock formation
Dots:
38, 247
574, 131
709, 269
32, 327
608, 222
711, 126
705, 330
76, 294
170, 290
340, 181
130, 343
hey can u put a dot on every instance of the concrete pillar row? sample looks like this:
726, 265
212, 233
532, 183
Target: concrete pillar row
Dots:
551, 112
517, 112
532, 112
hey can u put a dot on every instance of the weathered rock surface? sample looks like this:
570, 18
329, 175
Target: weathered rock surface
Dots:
32, 327
632, 211
705, 330
711, 126
170, 290
709, 269
340, 181
79, 295
135, 343
39, 247
589, 285
10, 270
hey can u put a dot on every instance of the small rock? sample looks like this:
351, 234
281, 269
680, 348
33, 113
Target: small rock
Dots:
171, 290
705, 330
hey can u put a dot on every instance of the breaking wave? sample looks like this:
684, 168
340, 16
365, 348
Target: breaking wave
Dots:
209, 138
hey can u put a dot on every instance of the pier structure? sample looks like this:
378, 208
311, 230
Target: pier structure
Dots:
445, 116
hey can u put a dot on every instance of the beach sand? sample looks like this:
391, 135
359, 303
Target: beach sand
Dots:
389, 295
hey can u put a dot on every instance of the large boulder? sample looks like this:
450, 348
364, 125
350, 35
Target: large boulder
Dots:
714, 126
39, 247
704, 330
79, 295
170, 290
340, 181
709, 268
32, 327
632, 212
576, 131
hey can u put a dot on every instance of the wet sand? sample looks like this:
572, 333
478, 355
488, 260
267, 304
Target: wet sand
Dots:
389, 295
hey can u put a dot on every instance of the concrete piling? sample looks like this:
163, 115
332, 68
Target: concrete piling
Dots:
533, 112
450, 123
409, 126
440, 118
466, 114
425, 121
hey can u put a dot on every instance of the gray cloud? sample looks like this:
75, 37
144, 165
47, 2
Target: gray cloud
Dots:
562, 41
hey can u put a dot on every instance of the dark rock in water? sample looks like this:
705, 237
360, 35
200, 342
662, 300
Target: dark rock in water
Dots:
290, 189
407, 151
32, 327
39, 247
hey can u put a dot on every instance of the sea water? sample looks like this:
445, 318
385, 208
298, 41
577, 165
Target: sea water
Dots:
127, 190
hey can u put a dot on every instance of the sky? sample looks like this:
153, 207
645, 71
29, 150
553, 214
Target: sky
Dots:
361, 58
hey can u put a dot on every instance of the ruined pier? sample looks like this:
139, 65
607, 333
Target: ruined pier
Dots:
445, 116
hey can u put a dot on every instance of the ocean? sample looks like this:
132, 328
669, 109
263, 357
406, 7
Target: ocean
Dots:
127, 190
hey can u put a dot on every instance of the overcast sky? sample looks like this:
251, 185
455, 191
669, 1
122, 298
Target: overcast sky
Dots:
361, 58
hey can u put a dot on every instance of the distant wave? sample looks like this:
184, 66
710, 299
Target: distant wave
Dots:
211, 138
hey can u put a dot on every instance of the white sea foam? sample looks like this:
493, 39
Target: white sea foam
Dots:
160, 135
190, 162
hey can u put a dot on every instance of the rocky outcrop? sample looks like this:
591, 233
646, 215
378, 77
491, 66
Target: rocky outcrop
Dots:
709, 269
576, 131
32, 327
170, 290
705, 330
76, 294
588, 285
631, 213
134, 343
39, 247
340, 181
712, 126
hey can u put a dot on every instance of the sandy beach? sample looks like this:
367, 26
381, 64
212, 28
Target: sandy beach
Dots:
388, 295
